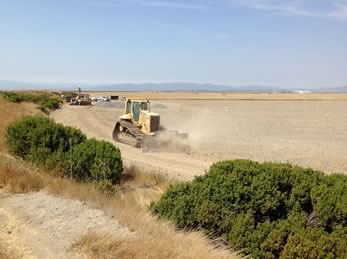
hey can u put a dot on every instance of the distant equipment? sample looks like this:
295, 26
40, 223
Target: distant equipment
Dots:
69, 95
80, 99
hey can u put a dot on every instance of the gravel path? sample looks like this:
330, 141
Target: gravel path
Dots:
38, 225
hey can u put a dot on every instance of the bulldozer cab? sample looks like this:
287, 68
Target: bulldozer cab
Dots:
134, 108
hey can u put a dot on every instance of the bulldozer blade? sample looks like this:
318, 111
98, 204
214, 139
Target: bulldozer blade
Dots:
166, 141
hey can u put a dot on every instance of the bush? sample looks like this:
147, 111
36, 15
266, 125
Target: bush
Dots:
46, 143
37, 138
263, 209
316, 243
46, 102
97, 160
12, 97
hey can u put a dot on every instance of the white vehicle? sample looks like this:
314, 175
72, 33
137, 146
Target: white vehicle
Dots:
103, 98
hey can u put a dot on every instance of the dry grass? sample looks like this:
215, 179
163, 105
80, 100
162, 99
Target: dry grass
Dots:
153, 238
95, 245
13, 175
17, 178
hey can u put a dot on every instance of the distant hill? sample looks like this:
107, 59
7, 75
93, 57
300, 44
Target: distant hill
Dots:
155, 87
182, 87
169, 87
342, 89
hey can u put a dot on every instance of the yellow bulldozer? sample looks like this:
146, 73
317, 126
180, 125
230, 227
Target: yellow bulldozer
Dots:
139, 127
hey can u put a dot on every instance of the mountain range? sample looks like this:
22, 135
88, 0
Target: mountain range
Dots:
165, 87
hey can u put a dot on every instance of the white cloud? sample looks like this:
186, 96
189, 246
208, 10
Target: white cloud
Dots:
340, 11
333, 9
320, 8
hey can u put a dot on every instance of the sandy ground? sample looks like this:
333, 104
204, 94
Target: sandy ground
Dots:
38, 225
306, 132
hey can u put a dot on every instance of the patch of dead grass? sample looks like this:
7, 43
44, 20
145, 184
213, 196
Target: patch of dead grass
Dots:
95, 245
17, 178
153, 238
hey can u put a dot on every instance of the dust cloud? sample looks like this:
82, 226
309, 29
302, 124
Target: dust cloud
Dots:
206, 129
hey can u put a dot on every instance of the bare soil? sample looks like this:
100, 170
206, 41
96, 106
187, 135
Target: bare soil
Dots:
309, 132
37, 225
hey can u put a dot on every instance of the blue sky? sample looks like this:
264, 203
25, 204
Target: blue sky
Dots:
295, 43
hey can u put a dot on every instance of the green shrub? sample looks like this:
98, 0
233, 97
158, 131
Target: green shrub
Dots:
12, 97
97, 160
46, 102
46, 143
330, 201
316, 243
34, 132
262, 209
41, 140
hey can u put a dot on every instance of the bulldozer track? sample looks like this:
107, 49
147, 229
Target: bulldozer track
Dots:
129, 134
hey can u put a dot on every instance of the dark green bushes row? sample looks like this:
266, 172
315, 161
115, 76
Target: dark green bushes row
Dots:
46, 102
64, 149
268, 210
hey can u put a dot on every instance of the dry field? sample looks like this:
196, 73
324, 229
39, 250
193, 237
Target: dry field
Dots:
42, 216
309, 130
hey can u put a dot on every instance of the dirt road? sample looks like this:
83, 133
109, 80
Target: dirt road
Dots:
306, 132
38, 225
